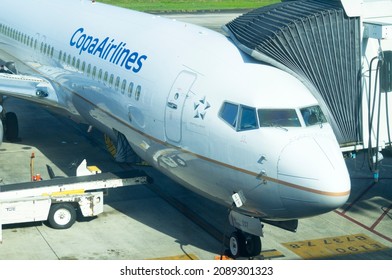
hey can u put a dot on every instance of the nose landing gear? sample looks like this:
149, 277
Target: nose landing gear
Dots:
242, 244
245, 240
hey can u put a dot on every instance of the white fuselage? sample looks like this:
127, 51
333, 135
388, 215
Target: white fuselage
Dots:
163, 84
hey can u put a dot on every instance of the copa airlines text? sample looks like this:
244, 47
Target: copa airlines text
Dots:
115, 52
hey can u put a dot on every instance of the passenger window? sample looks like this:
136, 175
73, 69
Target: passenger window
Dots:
130, 89
248, 118
123, 86
117, 84
137, 92
229, 113
111, 80
89, 70
94, 72
278, 117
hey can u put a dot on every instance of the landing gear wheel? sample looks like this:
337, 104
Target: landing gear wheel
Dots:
11, 126
252, 246
244, 245
62, 216
236, 244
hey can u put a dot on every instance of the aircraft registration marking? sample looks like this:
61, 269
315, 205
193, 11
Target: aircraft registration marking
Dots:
334, 246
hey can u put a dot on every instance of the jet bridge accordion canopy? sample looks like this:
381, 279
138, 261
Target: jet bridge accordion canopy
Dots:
318, 43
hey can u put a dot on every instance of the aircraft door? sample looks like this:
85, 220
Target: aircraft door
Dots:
175, 104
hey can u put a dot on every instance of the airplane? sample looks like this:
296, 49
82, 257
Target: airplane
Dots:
184, 99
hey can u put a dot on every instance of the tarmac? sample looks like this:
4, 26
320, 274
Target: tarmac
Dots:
163, 220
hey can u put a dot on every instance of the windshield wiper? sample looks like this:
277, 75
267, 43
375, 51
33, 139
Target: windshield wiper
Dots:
272, 124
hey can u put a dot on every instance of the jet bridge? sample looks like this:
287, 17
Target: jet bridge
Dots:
326, 45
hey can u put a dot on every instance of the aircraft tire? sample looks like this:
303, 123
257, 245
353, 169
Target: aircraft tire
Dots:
62, 215
252, 246
236, 244
11, 126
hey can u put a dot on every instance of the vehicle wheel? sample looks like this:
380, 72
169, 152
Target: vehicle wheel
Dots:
62, 216
11, 126
236, 244
252, 246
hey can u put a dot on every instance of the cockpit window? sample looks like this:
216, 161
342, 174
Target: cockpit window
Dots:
278, 117
229, 113
248, 118
313, 115
240, 117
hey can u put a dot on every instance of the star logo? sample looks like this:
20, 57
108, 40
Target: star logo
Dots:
201, 106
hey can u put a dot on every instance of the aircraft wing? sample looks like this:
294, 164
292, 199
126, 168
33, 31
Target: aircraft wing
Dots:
34, 89
41, 84
35, 82
26, 83
54, 87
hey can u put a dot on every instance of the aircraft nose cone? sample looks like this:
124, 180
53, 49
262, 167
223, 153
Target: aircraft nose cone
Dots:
314, 176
